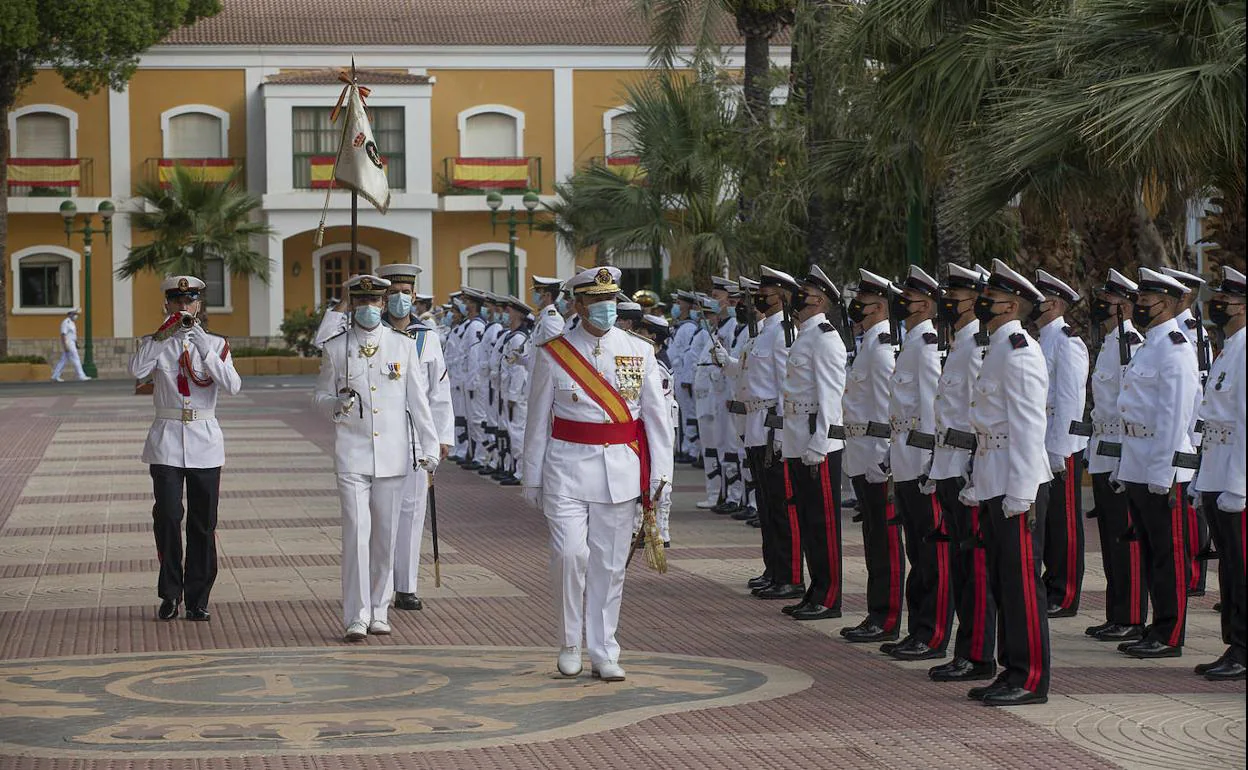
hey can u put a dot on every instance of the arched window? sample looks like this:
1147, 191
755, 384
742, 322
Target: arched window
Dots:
485, 267
45, 279
619, 126
491, 131
195, 131
334, 266
43, 144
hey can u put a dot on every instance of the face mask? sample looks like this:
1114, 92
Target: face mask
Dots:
1142, 315
368, 316
900, 307
742, 314
1101, 311
712, 307
536, 299
399, 305
695, 314
602, 315
799, 301
984, 309
1219, 312
1037, 310
461, 307
761, 304
948, 310
561, 305
857, 311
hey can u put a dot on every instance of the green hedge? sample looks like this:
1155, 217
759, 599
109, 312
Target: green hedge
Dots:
257, 352
23, 360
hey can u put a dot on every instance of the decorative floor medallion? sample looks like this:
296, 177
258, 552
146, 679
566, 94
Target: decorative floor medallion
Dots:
351, 701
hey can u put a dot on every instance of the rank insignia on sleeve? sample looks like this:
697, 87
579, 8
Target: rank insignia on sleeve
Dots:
1133, 338
1018, 340
1069, 331
1192, 323
1178, 337
552, 311
981, 339
825, 327
886, 338
930, 338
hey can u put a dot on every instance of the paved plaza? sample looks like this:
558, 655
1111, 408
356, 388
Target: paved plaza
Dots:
89, 679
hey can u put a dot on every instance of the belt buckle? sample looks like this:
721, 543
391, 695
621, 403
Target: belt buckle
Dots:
188, 415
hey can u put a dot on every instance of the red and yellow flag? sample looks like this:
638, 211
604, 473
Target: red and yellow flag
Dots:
492, 173
44, 172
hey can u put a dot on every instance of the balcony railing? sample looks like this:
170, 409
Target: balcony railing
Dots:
320, 174
472, 176
51, 177
160, 170
627, 166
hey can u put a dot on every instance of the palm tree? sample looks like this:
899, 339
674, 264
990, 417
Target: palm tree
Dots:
190, 221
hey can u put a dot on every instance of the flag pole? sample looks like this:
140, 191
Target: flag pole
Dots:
355, 197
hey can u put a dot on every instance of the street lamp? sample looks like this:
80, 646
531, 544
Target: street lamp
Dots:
494, 200
69, 211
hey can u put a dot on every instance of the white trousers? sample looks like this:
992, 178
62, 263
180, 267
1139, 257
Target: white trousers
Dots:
410, 531
369, 513
589, 545
688, 421
710, 439
515, 428
459, 408
69, 356
477, 409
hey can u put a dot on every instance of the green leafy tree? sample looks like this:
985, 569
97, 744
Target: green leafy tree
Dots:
91, 44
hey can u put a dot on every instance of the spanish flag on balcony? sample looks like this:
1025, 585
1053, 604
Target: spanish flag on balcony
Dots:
323, 171
490, 173
200, 169
627, 166
44, 172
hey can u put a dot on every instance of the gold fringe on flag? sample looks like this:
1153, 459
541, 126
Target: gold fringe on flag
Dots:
656, 558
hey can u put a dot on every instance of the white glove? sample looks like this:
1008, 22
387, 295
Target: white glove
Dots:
199, 339
1114, 484
1157, 489
1229, 503
876, 475
969, 496
1014, 506
533, 496
346, 402
657, 499
1057, 464
813, 458
429, 463
927, 487
1192, 494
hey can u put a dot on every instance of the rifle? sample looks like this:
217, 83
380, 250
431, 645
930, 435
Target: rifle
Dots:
1202, 342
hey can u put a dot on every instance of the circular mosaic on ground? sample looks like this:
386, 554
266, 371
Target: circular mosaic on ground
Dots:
351, 701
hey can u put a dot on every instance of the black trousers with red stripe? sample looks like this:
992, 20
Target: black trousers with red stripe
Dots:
782, 546
976, 638
929, 587
1196, 535
1014, 554
882, 549
1159, 522
1227, 530
1126, 591
191, 580
1063, 536
817, 489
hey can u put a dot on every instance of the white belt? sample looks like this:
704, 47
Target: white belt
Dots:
985, 442
800, 407
855, 429
184, 415
1137, 430
759, 404
909, 423
1107, 428
1217, 433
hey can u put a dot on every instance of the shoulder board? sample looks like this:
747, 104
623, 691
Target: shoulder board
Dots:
1178, 337
1069, 331
551, 311
646, 340
1018, 340
981, 339
1133, 338
886, 338
1192, 323
930, 338
826, 327
336, 336
404, 332
547, 342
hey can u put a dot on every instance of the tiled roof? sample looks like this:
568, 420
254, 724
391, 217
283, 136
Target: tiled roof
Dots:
424, 22
365, 77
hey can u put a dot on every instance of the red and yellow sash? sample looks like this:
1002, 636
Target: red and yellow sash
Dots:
606, 396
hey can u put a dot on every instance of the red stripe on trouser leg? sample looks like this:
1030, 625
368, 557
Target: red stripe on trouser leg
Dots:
1180, 567
830, 523
1133, 553
940, 627
1027, 562
1193, 538
1072, 539
795, 535
894, 554
980, 588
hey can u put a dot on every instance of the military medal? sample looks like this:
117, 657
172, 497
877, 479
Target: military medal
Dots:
368, 350
394, 370
628, 376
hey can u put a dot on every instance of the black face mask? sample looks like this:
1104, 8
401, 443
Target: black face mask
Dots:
742, 313
948, 311
1219, 312
1037, 310
984, 309
761, 304
1101, 311
857, 311
1142, 315
900, 307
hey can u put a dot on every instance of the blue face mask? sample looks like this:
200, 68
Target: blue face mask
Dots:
561, 305
368, 316
536, 299
713, 306
462, 307
399, 306
602, 314
677, 312
695, 314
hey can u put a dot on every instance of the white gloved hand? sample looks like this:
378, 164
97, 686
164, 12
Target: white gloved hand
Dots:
533, 496
969, 496
1014, 506
927, 486
813, 458
1192, 494
1057, 464
346, 402
1116, 486
1230, 503
876, 475
1157, 489
657, 499
429, 463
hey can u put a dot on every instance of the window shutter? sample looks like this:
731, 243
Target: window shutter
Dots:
490, 135
195, 135
42, 135
622, 128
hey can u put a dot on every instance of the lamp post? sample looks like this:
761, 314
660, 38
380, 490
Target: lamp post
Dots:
69, 212
495, 201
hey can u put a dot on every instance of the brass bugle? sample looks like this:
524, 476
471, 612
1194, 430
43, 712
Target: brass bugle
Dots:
188, 320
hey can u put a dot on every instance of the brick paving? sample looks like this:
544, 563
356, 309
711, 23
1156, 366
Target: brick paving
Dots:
717, 679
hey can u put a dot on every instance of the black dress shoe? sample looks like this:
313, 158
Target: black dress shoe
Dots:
1151, 648
816, 612
1201, 668
472, 466
962, 670
846, 630
979, 693
1058, 611
699, 463
917, 651
168, 609
1117, 632
888, 647
745, 514
761, 581
869, 632
485, 470
1014, 696
1217, 606
1094, 630
789, 609
1227, 671
1191, 592
406, 601
754, 522
511, 481
727, 508
198, 613
783, 591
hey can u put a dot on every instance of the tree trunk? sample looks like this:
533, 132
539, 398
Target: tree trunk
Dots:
816, 89
8, 95
953, 242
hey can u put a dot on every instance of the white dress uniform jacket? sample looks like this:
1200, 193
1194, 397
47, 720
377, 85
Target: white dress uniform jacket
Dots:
1106, 385
548, 326
866, 400
953, 401
1009, 419
196, 443
1067, 359
1224, 449
429, 346
590, 472
390, 384
1187, 324
760, 372
814, 384
1156, 406
912, 400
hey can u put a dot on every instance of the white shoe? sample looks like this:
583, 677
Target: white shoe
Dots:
570, 661
84, 379
379, 628
609, 671
57, 379
357, 632
705, 504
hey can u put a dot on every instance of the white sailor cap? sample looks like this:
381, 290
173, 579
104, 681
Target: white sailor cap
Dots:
747, 284
542, 282
1007, 279
870, 283
724, 284
423, 297
983, 273
366, 286
657, 324
629, 311
1190, 280
596, 281
1154, 282
473, 294
769, 276
1117, 283
959, 277
399, 273
705, 300
918, 280
1232, 282
820, 280
515, 302
1052, 286
686, 296
182, 286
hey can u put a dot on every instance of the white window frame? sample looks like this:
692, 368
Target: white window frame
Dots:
227, 295
223, 118
75, 266
55, 109
522, 261
318, 256
608, 127
481, 109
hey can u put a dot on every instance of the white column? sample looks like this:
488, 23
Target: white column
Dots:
565, 155
265, 304
268, 303
119, 191
422, 251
